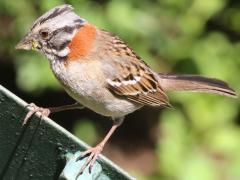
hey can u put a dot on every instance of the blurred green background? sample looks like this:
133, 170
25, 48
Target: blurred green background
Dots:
198, 139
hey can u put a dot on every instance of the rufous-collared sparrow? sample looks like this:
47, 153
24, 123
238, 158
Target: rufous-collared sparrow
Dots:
102, 73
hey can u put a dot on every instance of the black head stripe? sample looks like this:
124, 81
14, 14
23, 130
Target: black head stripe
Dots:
66, 29
55, 12
79, 21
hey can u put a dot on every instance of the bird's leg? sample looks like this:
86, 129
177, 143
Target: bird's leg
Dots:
95, 151
46, 111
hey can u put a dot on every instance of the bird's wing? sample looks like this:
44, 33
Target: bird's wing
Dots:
132, 78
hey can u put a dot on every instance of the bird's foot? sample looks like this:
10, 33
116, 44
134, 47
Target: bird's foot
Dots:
33, 109
93, 154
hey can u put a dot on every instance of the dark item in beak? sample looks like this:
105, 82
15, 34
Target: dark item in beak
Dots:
28, 43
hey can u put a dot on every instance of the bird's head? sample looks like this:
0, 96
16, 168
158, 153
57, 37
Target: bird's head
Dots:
54, 32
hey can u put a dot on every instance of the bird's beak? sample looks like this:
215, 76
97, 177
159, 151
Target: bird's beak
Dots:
28, 43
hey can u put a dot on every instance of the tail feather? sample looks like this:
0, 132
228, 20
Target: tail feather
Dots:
195, 83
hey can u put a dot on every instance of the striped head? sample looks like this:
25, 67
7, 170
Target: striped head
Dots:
53, 32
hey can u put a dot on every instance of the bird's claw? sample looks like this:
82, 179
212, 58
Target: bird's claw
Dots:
33, 109
94, 152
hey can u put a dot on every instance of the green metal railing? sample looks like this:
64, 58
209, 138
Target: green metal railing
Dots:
41, 148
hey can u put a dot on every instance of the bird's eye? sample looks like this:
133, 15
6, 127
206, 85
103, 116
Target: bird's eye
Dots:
44, 34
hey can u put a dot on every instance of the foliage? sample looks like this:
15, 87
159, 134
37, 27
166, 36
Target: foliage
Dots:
199, 139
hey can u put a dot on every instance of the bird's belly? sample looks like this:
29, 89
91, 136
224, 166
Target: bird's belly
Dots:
104, 104
89, 89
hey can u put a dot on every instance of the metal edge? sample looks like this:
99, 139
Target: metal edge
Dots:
70, 135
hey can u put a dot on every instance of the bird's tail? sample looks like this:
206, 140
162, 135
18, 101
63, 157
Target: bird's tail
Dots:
195, 83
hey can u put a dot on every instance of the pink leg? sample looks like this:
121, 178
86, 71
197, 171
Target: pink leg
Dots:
47, 111
95, 151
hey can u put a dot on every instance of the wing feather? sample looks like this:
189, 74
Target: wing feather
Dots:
132, 78
145, 91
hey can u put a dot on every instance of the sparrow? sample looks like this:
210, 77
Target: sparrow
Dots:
102, 73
